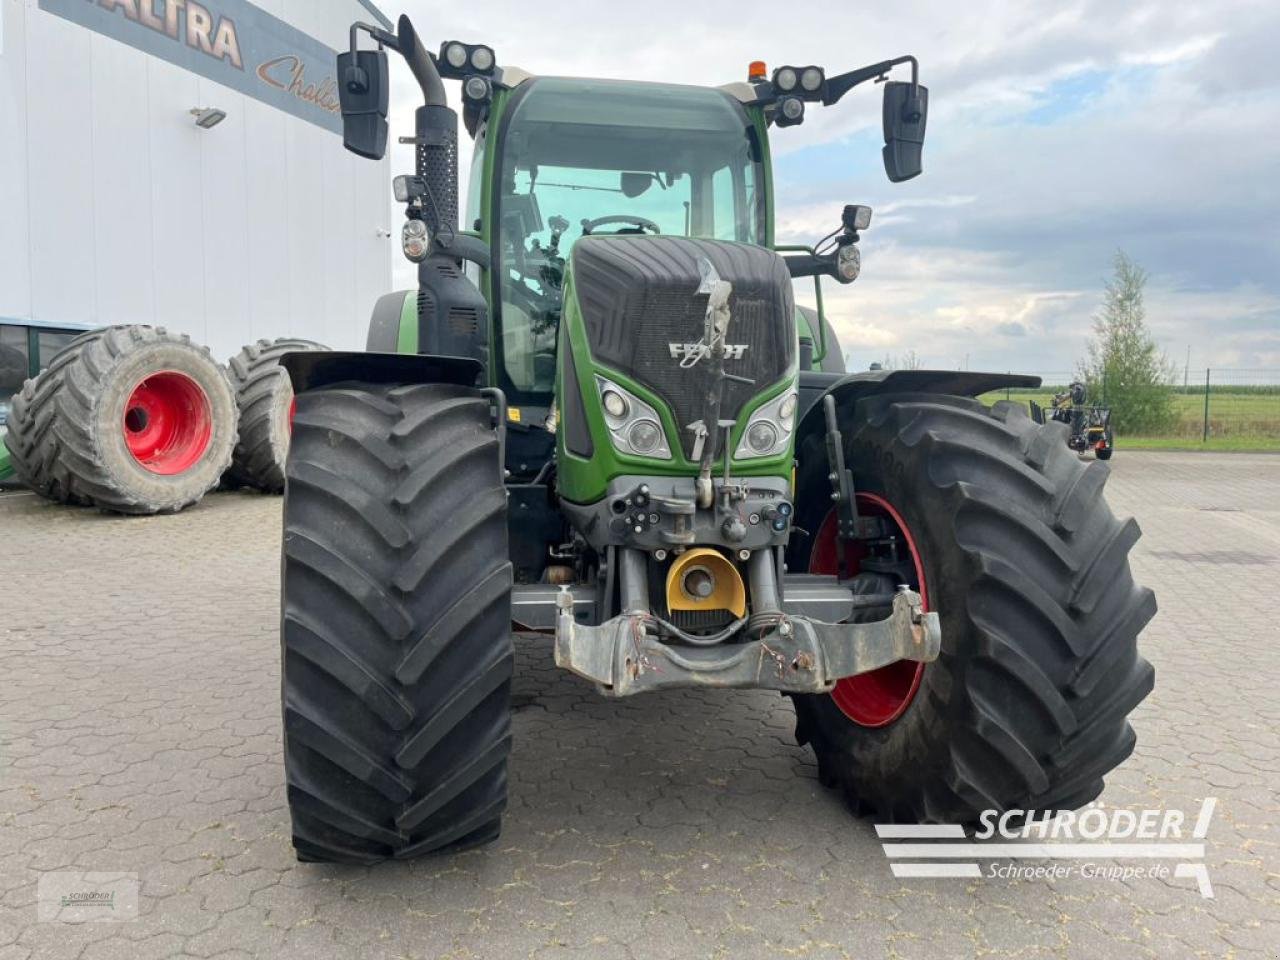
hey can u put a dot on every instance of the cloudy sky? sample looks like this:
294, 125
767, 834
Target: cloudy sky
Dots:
1059, 132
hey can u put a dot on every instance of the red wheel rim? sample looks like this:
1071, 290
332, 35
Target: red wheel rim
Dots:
167, 423
878, 698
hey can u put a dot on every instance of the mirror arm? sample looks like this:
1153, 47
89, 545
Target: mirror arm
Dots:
838, 86
808, 265
384, 38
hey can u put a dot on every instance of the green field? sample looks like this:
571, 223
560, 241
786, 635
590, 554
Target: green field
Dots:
1240, 418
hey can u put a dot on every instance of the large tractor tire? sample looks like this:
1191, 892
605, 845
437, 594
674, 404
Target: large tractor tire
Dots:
1004, 532
264, 398
131, 419
396, 616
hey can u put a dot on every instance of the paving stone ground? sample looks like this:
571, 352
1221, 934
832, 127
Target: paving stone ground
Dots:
139, 685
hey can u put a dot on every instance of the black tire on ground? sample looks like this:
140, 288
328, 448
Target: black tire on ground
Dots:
263, 397
1028, 568
396, 616
131, 419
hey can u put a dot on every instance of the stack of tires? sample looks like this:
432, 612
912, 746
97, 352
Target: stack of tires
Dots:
138, 420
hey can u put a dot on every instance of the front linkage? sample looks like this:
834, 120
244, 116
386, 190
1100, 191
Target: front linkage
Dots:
797, 654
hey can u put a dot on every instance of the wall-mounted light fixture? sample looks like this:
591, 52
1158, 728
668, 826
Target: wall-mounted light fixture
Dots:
207, 117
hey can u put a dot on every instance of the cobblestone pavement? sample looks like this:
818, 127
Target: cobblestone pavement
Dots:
139, 732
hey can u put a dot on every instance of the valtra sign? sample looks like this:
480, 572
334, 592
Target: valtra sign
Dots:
231, 42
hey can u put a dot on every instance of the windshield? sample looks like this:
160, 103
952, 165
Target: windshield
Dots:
600, 156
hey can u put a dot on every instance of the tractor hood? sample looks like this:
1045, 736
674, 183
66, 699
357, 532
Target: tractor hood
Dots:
642, 314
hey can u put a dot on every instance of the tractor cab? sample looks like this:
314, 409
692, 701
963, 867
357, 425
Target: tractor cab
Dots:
567, 159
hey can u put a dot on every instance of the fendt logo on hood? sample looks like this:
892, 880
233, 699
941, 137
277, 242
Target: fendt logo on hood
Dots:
732, 351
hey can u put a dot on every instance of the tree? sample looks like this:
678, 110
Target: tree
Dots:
1126, 370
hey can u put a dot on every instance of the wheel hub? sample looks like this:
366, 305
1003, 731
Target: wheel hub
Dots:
877, 698
168, 423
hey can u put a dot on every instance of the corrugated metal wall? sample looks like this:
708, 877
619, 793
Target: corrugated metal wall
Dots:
116, 208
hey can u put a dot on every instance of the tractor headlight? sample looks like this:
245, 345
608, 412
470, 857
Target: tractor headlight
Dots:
785, 79
811, 79
769, 430
614, 404
790, 111
644, 436
476, 88
848, 263
455, 54
787, 409
762, 436
415, 240
482, 59
634, 426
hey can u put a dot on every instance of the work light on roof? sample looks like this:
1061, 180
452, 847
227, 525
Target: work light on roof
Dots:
458, 59
811, 79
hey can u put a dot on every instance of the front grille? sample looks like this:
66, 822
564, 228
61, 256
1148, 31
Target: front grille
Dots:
637, 296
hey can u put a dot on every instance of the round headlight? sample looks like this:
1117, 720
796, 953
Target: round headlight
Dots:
787, 408
761, 437
476, 88
793, 108
415, 240
785, 79
456, 54
482, 58
644, 436
415, 250
811, 79
615, 404
848, 263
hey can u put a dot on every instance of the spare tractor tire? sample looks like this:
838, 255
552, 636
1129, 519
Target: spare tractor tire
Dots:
1004, 532
131, 419
396, 623
264, 398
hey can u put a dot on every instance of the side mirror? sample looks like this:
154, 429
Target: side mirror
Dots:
634, 184
905, 107
363, 94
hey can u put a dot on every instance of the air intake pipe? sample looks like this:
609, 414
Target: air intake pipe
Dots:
435, 133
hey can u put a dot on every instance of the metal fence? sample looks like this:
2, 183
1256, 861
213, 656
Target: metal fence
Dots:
1210, 404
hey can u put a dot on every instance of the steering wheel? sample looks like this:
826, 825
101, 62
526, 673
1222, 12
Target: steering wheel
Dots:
589, 226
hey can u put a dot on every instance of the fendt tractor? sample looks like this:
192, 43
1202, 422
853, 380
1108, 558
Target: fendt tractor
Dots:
601, 418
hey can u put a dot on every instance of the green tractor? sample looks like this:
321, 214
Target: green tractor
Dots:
600, 418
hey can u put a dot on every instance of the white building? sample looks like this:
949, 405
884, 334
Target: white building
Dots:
117, 207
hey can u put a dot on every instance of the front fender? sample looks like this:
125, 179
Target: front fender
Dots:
313, 369
848, 388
